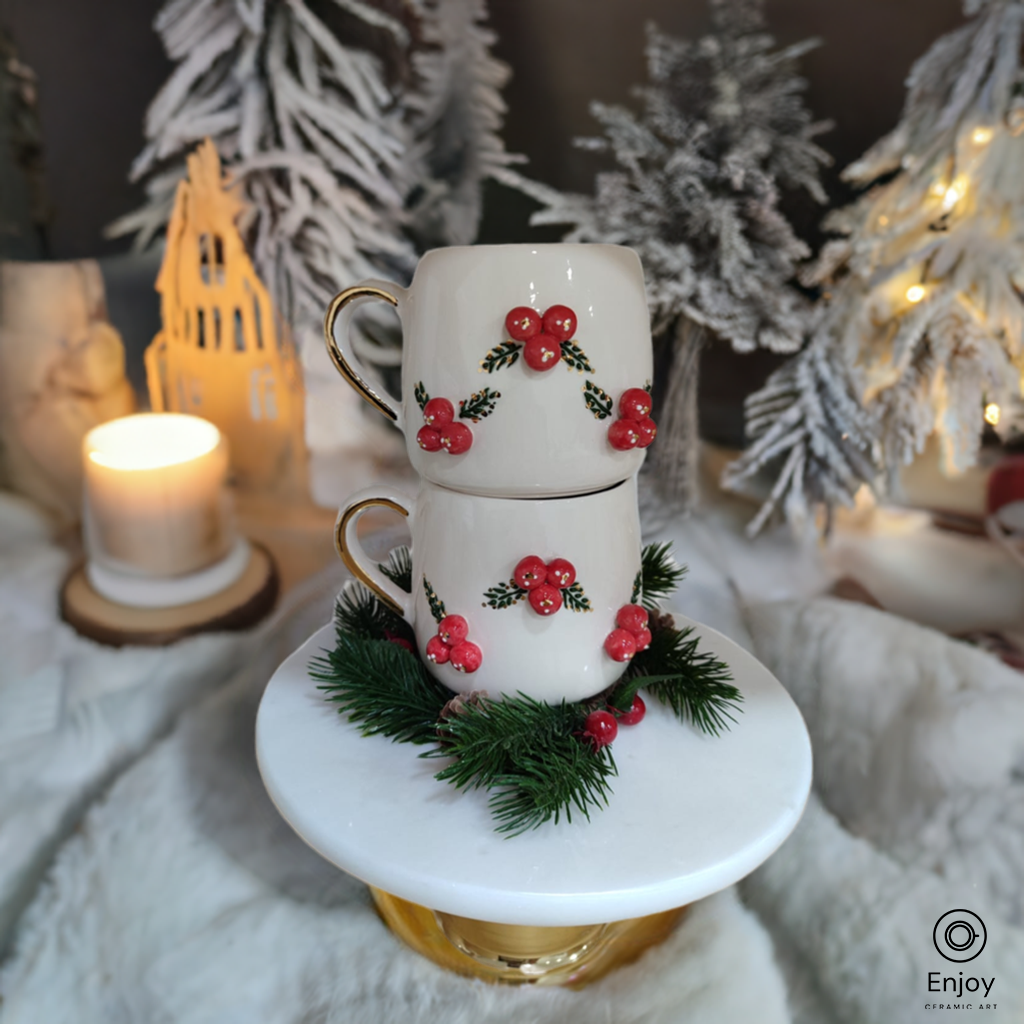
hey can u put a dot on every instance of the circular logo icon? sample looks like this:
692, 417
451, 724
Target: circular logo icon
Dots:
959, 935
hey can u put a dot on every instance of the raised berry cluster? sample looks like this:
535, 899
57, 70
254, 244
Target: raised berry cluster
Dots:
443, 430
542, 334
634, 428
544, 581
601, 727
630, 635
451, 645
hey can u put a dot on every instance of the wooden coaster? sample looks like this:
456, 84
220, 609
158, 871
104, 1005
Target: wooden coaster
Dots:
241, 605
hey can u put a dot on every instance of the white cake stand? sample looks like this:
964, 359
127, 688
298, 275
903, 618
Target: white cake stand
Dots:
689, 815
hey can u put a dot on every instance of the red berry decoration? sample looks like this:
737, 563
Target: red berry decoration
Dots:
600, 728
620, 645
530, 572
635, 404
522, 323
560, 322
456, 438
648, 431
453, 629
623, 435
429, 439
635, 714
632, 617
561, 573
438, 651
545, 599
542, 352
438, 413
466, 657
402, 642
643, 639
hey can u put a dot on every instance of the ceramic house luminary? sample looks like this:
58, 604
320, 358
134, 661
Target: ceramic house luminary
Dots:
224, 353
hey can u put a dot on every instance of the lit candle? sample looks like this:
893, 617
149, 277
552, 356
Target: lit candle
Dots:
155, 499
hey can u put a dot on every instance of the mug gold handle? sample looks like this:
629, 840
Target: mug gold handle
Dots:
356, 560
343, 305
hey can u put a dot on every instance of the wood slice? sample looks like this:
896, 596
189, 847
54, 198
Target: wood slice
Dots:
240, 606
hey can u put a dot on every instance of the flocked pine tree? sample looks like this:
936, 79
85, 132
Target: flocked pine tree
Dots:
922, 321
355, 136
695, 191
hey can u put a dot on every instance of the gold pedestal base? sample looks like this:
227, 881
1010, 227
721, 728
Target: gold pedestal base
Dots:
523, 954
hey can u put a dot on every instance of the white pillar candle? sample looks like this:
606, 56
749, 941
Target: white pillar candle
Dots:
155, 501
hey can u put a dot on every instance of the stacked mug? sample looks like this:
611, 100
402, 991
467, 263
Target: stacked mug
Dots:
526, 409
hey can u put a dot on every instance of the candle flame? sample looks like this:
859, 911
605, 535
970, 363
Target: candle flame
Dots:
150, 441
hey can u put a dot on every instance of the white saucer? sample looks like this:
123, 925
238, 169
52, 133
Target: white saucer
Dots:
689, 814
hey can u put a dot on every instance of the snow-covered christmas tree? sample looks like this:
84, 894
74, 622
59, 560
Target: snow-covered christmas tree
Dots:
696, 192
921, 324
358, 138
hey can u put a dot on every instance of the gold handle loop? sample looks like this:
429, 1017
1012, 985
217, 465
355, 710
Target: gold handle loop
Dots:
358, 562
346, 363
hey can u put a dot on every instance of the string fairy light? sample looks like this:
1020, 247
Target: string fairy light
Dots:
992, 414
915, 293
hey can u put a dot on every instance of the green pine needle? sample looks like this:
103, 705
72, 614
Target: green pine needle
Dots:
359, 613
382, 688
399, 568
695, 684
660, 574
531, 756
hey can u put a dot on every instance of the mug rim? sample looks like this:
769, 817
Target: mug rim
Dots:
427, 482
534, 247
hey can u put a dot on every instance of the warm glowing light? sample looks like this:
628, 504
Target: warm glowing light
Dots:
954, 193
915, 293
938, 189
883, 220
151, 441
992, 414
982, 136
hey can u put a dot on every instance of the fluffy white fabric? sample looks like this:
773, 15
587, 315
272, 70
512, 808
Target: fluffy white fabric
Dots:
918, 810
186, 899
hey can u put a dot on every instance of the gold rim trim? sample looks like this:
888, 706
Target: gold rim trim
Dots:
523, 954
338, 303
349, 558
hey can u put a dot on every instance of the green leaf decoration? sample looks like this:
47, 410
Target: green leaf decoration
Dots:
500, 356
574, 357
575, 600
599, 402
504, 595
638, 585
649, 388
421, 395
383, 688
532, 758
660, 575
398, 568
695, 684
479, 405
436, 604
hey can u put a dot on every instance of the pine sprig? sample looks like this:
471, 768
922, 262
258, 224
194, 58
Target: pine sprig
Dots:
638, 586
575, 599
660, 575
598, 401
574, 357
436, 604
382, 688
531, 757
504, 595
359, 613
479, 405
695, 684
421, 395
500, 356
398, 568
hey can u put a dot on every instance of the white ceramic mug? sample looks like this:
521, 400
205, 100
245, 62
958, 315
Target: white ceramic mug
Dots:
530, 432
465, 550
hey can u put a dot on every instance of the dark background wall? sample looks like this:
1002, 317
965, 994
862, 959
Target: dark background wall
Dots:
99, 64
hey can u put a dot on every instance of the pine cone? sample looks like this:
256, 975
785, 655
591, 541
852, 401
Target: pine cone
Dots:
660, 620
457, 706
